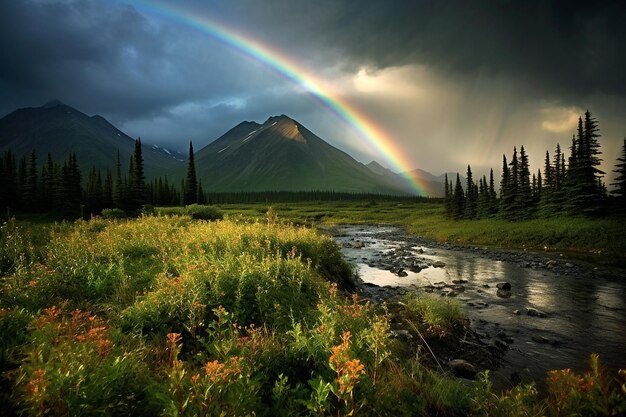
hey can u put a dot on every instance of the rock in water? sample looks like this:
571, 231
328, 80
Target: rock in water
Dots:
439, 264
462, 368
504, 286
535, 313
503, 293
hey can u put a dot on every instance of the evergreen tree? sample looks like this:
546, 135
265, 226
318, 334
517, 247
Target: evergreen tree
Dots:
589, 200
471, 197
539, 187
459, 199
48, 184
138, 194
201, 197
493, 198
482, 210
107, 192
619, 192
22, 174
558, 194
8, 181
524, 193
191, 183
118, 190
510, 209
448, 197
30, 191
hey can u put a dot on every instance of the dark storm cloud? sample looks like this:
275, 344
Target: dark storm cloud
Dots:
158, 78
106, 57
563, 49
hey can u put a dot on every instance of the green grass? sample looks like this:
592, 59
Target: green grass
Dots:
180, 317
597, 238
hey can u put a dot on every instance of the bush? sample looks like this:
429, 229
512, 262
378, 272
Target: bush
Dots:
114, 213
200, 212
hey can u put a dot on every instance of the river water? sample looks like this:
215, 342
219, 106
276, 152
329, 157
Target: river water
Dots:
585, 305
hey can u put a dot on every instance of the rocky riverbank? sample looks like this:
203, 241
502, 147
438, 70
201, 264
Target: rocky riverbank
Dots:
527, 311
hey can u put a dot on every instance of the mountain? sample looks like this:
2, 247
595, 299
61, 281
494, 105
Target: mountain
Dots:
281, 154
61, 129
434, 184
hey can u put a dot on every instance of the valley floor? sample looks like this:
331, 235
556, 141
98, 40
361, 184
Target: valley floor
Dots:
249, 315
599, 240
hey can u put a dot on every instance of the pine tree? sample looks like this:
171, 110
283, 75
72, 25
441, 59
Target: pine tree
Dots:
118, 190
107, 198
619, 192
558, 194
524, 193
448, 197
482, 210
590, 199
30, 191
8, 181
509, 201
137, 192
539, 187
471, 196
191, 183
493, 198
459, 199
201, 198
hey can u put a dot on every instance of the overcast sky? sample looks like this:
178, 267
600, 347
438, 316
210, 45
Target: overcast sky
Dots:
452, 82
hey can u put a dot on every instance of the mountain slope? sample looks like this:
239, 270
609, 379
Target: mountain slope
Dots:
61, 129
281, 154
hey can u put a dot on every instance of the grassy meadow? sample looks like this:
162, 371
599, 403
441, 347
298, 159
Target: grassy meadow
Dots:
251, 315
602, 239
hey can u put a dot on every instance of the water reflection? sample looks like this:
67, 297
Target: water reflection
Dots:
584, 314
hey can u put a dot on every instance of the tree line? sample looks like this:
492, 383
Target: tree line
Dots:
29, 186
59, 187
566, 187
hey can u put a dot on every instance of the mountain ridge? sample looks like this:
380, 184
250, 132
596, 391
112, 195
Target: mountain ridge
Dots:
59, 129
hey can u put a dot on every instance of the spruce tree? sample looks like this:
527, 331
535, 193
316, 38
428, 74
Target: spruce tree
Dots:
459, 199
558, 194
201, 198
619, 192
31, 192
590, 199
510, 209
118, 190
448, 197
107, 197
137, 191
482, 210
191, 184
524, 194
504, 186
471, 197
493, 198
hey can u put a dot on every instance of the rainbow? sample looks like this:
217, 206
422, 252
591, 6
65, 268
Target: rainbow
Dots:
287, 68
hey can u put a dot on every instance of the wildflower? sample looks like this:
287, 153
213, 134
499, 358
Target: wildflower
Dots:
38, 384
213, 370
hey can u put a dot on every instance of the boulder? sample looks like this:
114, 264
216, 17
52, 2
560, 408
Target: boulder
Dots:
439, 264
504, 286
463, 369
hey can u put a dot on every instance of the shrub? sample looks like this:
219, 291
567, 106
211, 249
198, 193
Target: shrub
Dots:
114, 213
200, 212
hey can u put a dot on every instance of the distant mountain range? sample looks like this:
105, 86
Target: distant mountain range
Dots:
278, 155
61, 129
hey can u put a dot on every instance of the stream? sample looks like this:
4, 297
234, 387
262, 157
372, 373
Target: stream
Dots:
556, 313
